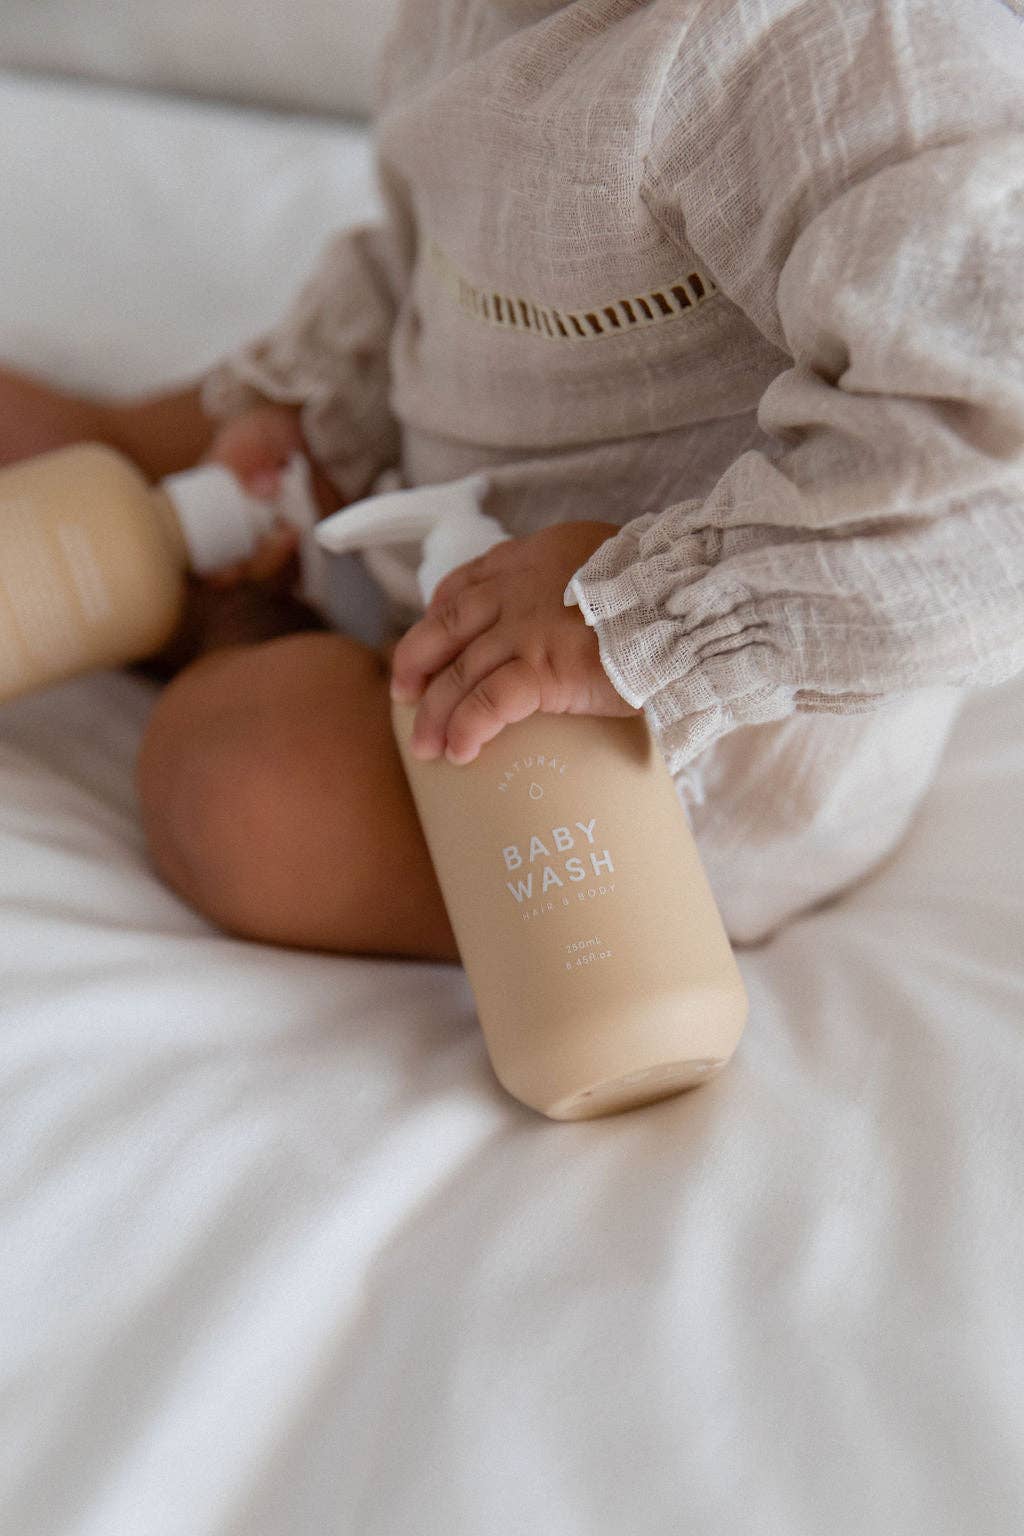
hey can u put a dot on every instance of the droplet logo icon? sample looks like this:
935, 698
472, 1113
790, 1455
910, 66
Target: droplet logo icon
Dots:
535, 791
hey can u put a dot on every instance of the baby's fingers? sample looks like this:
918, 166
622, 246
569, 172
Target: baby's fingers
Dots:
269, 559
439, 637
509, 694
462, 576
257, 445
273, 552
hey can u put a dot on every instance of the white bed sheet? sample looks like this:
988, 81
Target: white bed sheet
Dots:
278, 1254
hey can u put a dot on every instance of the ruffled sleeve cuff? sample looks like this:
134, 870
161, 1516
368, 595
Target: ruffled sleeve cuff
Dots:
708, 628
328, 355
679, 638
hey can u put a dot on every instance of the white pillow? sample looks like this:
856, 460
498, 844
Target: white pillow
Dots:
310, 55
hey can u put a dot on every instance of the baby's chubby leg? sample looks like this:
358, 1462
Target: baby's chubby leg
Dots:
274, 801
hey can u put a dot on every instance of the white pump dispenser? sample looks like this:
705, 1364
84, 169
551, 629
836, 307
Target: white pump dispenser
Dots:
220, 522
447, 518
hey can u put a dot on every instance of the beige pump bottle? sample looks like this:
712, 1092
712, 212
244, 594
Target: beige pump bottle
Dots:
602, 975
93, 558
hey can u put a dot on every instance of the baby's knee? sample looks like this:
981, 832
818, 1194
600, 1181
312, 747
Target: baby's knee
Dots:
193, 789
235, 754
212, 778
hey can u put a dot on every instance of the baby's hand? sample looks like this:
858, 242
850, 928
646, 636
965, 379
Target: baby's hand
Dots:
256, 446
497, 644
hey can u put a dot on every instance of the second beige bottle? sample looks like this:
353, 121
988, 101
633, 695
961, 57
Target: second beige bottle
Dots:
93, 558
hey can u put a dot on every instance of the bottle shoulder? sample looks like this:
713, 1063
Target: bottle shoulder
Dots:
548, 764
573, 741
94, 457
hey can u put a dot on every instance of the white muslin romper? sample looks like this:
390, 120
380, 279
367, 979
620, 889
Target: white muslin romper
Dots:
744, 277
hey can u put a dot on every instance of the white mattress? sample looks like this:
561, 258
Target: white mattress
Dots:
278, 1254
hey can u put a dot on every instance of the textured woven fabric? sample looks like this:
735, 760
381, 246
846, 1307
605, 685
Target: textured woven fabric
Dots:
742, 276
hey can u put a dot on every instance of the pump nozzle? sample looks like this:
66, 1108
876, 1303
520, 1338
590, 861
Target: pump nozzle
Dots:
447, 518
222, 523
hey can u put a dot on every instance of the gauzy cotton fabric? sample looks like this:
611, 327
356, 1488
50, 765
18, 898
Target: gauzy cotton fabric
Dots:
743, 277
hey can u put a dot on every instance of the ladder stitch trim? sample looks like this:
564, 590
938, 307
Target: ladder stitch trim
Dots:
672, 301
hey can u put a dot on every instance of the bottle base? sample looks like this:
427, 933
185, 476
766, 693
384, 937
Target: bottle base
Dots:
635, 1089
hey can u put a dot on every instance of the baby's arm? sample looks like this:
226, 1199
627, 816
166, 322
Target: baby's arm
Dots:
872, 232
161, 434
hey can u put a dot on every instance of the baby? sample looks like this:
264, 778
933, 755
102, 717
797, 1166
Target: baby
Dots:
725, 301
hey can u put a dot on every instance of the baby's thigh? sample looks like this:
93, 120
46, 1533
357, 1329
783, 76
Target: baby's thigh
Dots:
274, 801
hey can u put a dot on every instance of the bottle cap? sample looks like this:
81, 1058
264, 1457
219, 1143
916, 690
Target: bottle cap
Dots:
447, 518
221, 523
